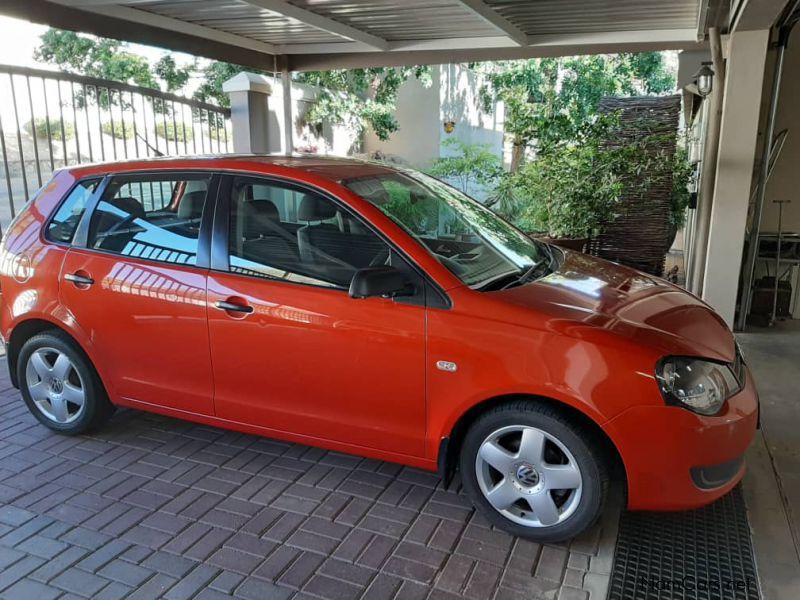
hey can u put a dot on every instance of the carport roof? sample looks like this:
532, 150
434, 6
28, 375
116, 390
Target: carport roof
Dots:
317, 34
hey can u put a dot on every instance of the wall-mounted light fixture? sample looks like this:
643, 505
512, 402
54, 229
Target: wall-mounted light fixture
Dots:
704, 79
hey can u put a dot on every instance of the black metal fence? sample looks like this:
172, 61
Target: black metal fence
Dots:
49, 120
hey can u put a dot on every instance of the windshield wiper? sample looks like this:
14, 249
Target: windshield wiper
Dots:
536, 270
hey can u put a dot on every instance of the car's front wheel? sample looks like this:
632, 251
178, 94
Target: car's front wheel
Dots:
533, 472
60, 386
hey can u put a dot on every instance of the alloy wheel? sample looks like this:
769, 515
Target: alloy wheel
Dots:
55, 385
529, 476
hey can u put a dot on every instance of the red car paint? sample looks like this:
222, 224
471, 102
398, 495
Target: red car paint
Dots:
359, 376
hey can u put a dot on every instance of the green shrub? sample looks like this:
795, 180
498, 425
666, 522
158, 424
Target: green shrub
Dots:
38, 127
118, 131
171, 131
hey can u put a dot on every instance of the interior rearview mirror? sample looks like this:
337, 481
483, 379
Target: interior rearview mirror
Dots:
388, 282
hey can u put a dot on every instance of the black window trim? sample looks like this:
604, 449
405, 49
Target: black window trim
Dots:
433, 296
81, 237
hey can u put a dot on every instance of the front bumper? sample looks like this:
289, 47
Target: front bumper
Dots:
676, 459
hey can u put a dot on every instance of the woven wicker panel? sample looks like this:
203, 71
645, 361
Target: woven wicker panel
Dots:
639, 237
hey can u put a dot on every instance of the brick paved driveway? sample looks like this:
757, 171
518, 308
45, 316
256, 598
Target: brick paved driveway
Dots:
152, 507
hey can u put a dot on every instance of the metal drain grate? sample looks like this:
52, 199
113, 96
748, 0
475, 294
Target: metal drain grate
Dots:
703, 554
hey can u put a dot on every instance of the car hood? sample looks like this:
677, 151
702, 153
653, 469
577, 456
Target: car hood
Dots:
627, 303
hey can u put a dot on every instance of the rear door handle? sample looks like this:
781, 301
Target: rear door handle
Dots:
225, 305
79, 279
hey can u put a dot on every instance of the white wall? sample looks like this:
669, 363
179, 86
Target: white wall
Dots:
421, 113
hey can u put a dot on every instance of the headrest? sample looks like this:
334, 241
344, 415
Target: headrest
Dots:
315, 208
128, 205
259, 215
191, 205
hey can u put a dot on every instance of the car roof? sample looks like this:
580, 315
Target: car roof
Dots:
335, 169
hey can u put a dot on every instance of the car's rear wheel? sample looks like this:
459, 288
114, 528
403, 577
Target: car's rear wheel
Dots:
60, 386
533, 472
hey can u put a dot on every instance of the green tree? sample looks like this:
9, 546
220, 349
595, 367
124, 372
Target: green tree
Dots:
360, 98
108, 59
550, 100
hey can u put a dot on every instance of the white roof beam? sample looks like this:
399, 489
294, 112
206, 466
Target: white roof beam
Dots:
323, 23
571, 42
134, 15
496, 20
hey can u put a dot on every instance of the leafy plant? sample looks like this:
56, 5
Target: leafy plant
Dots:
40, 127
117, 131
682, 173
470, 164
173, 131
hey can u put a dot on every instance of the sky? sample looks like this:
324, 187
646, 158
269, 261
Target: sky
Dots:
20, 39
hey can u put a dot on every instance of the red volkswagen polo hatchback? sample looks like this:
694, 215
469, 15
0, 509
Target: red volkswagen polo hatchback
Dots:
376, 311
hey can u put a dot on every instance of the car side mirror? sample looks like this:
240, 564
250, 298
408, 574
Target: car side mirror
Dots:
388, 282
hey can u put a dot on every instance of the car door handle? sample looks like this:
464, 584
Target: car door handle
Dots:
225, 305
78, 279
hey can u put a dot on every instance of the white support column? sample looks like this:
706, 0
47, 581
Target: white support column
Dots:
249, 94
737, 148
288, 118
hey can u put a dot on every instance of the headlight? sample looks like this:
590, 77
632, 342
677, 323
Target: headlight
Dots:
701, 386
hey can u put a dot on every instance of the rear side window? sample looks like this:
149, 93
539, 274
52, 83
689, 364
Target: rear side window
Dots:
151, 217
64, 223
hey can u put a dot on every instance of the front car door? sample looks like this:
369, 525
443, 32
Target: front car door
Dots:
292, 352
135, 280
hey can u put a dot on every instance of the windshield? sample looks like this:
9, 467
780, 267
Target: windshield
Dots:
467, 238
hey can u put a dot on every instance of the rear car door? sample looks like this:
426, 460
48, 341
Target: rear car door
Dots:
291, 350
135, 280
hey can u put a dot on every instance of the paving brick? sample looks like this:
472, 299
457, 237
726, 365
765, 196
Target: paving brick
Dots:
189, 585
456, 573
312, 542
226, 582
346, 571
125, 572
301, 570
11, 515
103, 555
8, 556
18, 570
552, 562
79, 582
409, 569
55, 566
327, 587
276, 563
483, 581
234, 560
169, 564
155, 587
256, 589
383, 586
376, 551
42, 547
113, 591
28, 588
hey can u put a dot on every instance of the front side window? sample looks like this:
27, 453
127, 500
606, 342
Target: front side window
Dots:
64, 223
278, 232
467, 238
153, 217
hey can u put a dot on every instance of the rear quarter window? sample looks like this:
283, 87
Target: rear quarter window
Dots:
62, 226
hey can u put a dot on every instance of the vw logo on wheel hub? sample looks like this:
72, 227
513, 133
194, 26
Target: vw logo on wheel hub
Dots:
56, 385
527, 475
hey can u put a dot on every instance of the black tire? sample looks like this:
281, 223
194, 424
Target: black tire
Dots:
97, 408
584, 448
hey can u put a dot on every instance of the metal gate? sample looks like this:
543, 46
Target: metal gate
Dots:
49, 120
